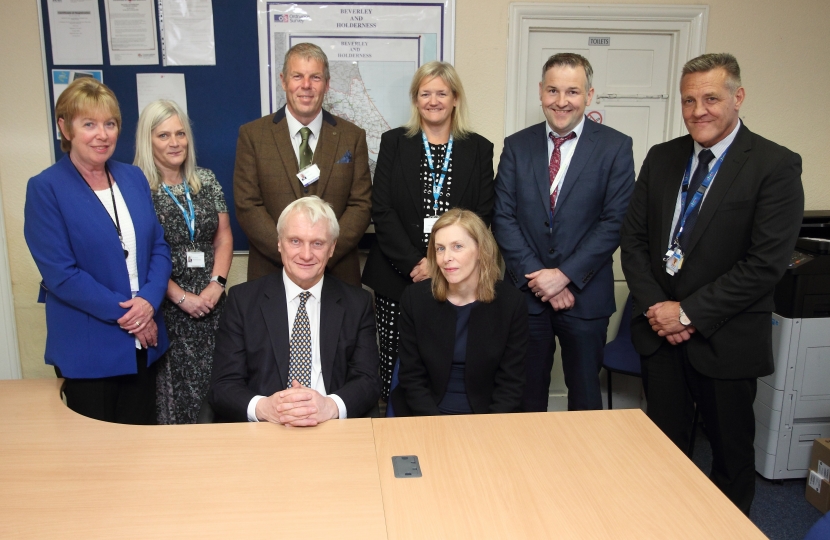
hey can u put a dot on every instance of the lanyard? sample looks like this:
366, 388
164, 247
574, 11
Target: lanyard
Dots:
116, 222
189, 217
438, 186
698, 195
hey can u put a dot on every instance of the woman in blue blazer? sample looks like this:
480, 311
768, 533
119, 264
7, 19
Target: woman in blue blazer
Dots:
93, 233
463, 331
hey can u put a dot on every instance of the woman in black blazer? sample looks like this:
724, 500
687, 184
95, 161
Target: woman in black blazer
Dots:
463, 331
432, 164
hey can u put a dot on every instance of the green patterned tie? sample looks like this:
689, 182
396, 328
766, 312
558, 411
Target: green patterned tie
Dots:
305, 150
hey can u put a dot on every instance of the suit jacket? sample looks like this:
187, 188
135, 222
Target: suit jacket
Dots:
737, 252
398, 203
497, 339
252, 346
76, 248
265, 182
585, 231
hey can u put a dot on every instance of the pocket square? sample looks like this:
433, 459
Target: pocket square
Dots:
347, 157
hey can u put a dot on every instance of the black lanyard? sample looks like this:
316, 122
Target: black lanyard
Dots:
115, 222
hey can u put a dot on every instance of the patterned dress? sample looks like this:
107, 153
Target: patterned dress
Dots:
388, 310
184, 371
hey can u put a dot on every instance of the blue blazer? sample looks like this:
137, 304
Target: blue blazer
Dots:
77, 250
586, 225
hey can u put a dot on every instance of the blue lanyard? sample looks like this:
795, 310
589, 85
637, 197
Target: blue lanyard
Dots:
698, 195
438, 186
189, 217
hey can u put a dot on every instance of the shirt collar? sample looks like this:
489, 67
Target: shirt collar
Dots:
292, 290
720, 148
577, 129
295, 125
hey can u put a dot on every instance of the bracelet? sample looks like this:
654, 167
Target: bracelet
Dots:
182, 300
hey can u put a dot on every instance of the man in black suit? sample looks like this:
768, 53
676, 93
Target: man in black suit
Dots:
297, 347
702, 249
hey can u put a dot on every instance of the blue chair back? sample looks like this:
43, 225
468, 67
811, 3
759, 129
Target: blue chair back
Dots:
620, 355
390, 411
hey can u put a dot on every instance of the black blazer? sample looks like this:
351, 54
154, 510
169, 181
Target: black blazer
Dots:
738, 251
398, 207
496, 344
252, 346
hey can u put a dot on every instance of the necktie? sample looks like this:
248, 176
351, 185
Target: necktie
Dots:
305, 150
703, 159
555, 162
299, 346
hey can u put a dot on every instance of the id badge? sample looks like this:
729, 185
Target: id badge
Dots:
195, 259
674, 261
309, 175
429, 223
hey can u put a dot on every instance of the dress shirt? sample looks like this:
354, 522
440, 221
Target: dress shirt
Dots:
566, 149
717, 150
294, 127
125, 221
312, 306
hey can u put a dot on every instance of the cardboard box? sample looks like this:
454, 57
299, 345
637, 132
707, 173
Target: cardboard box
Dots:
820, 461
818, 492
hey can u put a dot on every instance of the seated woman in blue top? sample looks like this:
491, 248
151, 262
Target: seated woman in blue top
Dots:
93, 233
463, 331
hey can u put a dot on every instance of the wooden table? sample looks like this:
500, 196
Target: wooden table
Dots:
598, 474
66, 476
603, 474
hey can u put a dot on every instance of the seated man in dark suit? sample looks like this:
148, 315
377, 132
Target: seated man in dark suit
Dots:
297, 347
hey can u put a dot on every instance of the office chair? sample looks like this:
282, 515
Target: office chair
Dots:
390, 411
620, 357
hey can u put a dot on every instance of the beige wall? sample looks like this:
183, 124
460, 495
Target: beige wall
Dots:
783, 54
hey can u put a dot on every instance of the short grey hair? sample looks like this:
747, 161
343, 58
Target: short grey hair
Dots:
306, 51
708, 62
314, 209
571, 60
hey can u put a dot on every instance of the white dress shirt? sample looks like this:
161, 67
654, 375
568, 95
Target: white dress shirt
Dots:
312, 306
294, 127
566, 149
125, 221
717, 150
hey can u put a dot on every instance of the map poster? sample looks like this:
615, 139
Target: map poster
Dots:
373, 49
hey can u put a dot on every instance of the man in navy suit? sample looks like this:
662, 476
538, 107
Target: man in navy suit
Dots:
561, 193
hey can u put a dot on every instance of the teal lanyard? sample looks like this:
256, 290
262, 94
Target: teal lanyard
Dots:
190, 213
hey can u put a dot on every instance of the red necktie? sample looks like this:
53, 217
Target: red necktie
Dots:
555, 162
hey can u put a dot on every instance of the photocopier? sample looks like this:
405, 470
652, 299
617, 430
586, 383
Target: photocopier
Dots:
792, 406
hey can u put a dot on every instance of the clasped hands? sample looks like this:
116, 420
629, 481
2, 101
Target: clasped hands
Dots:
139, 321
664, 318
551, 285
296, 406
199, 305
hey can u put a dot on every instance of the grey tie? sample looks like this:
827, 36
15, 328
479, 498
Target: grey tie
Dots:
306, 155
299, 346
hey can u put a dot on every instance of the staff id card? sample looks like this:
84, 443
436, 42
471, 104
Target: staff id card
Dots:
309, 175
429, 223
674, 261
195, 259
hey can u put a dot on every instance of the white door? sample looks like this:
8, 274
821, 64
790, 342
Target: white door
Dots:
631, 80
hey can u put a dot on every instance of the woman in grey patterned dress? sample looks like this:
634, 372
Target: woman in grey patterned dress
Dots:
191, 208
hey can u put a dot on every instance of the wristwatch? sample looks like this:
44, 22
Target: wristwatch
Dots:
220, 280
684, 319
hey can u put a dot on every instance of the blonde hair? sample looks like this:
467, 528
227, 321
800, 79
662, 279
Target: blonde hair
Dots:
460, 123
306, 51
488, 255
151, 117
314, 209
84, 95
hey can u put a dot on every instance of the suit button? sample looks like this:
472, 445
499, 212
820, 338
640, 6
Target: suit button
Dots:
546, 224
550, 251
306, 190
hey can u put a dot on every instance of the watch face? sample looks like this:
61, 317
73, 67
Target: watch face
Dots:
684, 320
